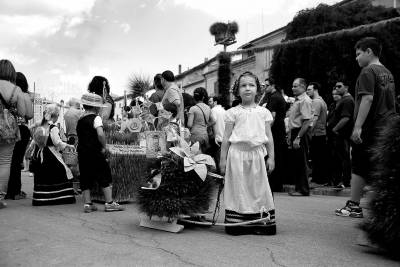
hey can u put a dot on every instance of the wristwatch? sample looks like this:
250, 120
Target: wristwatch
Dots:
299, 137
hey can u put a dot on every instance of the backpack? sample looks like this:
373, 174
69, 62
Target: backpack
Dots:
9, 130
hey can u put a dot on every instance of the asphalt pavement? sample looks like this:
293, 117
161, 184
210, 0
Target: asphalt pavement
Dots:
309, 234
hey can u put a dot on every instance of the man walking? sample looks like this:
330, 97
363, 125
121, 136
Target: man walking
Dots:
318, 135
374, 105
300, 116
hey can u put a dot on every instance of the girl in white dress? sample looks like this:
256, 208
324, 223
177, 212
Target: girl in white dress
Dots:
247, 141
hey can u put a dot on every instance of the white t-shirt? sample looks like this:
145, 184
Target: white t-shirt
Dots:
218, 115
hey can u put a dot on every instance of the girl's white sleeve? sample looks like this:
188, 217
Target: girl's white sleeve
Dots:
55, 138
268, 116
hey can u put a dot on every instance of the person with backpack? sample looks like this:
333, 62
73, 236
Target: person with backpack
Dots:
13, 103
52, 177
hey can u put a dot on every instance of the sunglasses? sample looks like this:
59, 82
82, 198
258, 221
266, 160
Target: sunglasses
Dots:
338, 86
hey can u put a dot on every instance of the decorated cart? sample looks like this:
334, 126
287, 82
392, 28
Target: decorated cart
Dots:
153, 163
133, 145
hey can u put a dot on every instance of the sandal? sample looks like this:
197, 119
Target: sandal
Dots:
21, 195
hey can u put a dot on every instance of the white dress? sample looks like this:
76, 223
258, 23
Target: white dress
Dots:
247, 189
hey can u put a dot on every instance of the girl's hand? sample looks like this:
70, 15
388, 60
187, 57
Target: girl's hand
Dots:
105, 152
288, 141
270, 165
222, 167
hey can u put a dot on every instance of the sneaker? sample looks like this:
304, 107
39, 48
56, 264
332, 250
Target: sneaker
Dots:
339, 187
114, 206
2, 204
87, 208
352, 209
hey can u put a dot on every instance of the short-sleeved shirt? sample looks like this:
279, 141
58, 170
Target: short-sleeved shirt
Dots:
343, 109
319, 109
71, 118
276, 103
218, 114
98, 122
300, 110
173, 95
378, 81
249, 125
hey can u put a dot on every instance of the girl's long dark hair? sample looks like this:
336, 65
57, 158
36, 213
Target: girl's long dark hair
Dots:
100, 86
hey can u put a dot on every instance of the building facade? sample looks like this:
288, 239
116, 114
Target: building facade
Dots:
206, 74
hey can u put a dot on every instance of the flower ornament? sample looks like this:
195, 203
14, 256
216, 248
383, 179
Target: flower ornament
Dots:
193, 159
134, 125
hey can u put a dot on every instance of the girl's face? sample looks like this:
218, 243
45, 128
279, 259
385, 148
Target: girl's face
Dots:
247, 88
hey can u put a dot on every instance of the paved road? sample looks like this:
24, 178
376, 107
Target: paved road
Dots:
309, 234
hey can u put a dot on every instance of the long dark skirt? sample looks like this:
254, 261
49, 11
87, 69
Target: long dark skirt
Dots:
51, 186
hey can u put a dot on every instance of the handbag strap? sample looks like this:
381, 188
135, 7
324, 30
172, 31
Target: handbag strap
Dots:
204, 115
5, 103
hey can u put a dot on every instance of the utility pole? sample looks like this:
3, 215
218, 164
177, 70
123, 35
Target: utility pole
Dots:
34, 100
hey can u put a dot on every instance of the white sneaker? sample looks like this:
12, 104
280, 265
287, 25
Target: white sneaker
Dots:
114, 206
87, 208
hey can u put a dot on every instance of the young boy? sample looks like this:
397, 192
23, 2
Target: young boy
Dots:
374, 105
91, 154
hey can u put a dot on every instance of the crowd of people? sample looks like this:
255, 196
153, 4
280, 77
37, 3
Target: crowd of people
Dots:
263, 141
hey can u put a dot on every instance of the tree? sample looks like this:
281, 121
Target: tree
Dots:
325, 18
327, 57
139, 85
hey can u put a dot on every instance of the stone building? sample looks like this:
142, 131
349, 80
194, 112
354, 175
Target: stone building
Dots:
205, 74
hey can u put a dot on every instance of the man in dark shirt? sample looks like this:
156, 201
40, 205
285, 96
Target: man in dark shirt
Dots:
277, 105
340, 126
374, 105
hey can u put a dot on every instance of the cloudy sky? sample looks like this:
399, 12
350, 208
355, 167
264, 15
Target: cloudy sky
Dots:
61, 45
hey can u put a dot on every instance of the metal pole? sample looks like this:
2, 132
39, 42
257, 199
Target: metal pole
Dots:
34, 100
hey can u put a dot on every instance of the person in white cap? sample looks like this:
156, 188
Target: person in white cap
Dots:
92, 152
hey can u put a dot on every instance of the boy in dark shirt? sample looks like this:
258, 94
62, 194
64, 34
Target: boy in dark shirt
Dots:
374, 104
92, 151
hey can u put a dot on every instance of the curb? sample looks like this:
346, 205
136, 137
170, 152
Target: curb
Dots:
324, 191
